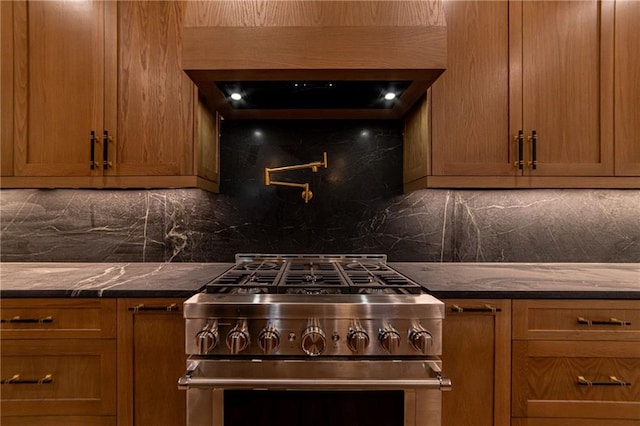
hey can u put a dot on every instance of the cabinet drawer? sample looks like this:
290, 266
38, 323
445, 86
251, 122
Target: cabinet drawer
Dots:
576, 319
60, 421
572, 422
58, 377
58, 318
575, 379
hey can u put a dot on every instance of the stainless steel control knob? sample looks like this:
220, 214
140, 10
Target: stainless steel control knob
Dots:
420, 339
313, 339
269, 339
389, 339
238, 338
207, 338
357, 339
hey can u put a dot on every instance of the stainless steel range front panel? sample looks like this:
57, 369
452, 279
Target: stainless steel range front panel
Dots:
345, 325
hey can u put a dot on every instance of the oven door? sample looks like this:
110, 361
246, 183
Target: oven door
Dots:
215, 387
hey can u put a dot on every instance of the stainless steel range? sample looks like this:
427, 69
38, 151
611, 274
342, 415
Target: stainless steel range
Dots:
314, 323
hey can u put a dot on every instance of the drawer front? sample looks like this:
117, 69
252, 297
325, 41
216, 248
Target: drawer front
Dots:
58, 318
576, 319
58, 377
571, 422
598, 379
60, 421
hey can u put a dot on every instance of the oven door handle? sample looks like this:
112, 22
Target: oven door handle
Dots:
188, 381
185, 382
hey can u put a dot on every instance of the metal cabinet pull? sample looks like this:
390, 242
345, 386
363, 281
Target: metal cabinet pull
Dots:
534, 142
18, 320
613, 381
105, 150
611, 321
520, 147
92, 162
142, 308
16, 380
485, 308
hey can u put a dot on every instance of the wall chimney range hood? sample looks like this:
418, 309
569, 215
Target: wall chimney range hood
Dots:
262, 59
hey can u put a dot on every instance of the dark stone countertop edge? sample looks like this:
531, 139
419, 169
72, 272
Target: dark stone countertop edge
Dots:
106, 294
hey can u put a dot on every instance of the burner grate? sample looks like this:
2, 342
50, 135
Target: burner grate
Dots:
317, 274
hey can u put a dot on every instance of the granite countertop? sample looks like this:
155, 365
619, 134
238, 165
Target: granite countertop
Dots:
106, 279
444, 280
526, 280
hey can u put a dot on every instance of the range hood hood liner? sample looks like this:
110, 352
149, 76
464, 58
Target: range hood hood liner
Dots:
309, 41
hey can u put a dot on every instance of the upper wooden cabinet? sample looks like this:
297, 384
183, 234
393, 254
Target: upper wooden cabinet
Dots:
627, 88
100, 99
545, 69
59, 86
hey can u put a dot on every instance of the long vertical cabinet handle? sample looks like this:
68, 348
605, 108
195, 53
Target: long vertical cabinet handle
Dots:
520, 147
92, 163
534, 141
105, 150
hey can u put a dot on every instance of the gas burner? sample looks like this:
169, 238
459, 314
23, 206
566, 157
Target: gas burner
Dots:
262, 266
311, 266
360, 266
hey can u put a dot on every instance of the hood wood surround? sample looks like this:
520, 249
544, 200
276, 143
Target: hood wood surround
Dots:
366, 45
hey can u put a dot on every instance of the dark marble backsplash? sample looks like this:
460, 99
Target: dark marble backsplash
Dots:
357, 207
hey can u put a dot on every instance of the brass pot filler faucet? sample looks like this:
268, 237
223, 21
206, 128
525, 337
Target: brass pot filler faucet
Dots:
306, 192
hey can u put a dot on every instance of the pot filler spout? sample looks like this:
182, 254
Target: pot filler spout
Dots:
314, 59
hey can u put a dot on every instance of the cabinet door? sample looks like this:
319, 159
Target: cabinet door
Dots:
470, 101
416, 160
155, 98
61, 377
151, 358
6, 89
576, 379
627, 93
58, 86
567, 86
477, 358
58, 318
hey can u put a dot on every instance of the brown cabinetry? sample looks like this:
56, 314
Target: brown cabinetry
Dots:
542, 70
99, 96
477, 358
151, 357
627, 88
576, 361
58, 362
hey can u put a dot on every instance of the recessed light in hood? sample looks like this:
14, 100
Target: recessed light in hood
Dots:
312, 94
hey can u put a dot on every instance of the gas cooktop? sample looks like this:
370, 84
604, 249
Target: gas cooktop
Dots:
312, 274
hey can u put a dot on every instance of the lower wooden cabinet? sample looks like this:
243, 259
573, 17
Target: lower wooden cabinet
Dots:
572, 422
151, 358
477, 358
58, 362
576, 379
576, 363
58, 377
59, 421
102, 362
